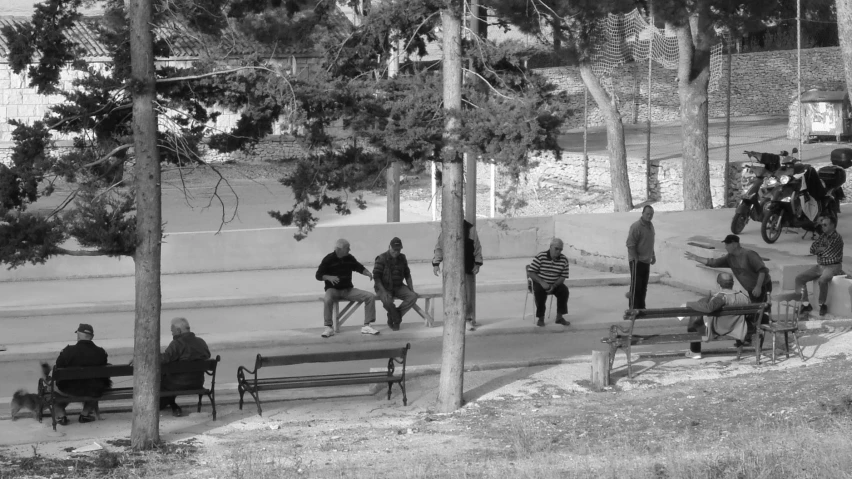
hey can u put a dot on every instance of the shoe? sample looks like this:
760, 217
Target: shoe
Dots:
328, 332
176, 411
540, 322
471, 325
563, 322
823, 309
62, 421
84, 418
805, 308
692, 355
367, 329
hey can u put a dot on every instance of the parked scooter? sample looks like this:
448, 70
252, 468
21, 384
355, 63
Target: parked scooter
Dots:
804, 194
752, 202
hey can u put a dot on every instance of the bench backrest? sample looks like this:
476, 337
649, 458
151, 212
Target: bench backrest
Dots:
201, 365
333, 356
658, 313
90, 372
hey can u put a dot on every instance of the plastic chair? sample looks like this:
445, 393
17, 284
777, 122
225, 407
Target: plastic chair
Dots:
785, 323
529, 292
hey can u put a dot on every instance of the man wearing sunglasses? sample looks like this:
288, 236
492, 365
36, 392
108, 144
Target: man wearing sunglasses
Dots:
828, 248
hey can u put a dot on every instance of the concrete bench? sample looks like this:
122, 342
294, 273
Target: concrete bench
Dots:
427, 312
839, 290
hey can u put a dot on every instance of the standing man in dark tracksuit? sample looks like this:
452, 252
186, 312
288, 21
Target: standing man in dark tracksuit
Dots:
472, 263
640, 254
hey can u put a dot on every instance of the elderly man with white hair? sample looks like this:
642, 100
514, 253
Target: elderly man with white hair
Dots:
336, 271
185, 346
548, 271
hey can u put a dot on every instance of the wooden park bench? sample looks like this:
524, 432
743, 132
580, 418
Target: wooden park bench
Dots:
50, 394
248, 382
625, 337
427, 313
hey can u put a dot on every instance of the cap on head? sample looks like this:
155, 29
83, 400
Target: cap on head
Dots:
396, 243
731, 239
85, 328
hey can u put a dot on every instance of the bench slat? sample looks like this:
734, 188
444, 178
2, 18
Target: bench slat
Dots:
331, 377
659, 313
62, 374
204, 365
298, 383
671, 338
334, 356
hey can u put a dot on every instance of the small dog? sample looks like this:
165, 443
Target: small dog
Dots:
24, 400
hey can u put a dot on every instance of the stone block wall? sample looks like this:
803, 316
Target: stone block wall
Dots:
762, 83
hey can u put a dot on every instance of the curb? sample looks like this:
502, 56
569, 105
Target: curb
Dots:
219, 302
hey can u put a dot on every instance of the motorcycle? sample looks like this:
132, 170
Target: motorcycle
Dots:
752, 203
803, 194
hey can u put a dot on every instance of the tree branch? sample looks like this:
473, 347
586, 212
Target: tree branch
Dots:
69, 252
211, 74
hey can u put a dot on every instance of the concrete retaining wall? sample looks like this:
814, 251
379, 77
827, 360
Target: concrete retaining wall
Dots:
275, 248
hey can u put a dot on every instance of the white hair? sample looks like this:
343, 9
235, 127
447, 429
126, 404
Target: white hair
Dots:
556, 241
182, 324
341, 243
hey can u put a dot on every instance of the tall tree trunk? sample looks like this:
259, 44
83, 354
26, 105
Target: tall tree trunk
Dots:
694, 42
621, 197
451, 385
844, 30
145, 432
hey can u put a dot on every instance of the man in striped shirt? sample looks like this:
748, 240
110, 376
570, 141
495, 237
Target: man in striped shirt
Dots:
829, 250
548, 271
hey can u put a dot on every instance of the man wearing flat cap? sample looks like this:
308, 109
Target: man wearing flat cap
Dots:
84, 353
747, 266
389, 273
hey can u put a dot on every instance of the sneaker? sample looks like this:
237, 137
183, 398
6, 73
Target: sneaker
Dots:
805, 308
563, 322
86, 418
823, 309
471, 325
367, 329
692, 355
328, 332
62, 421
176, 411
540, 322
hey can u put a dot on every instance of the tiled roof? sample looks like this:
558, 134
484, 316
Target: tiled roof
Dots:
183, 43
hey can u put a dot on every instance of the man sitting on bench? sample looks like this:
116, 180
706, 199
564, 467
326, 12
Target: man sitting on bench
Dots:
336, 271
709, 326
185, 346
84, 353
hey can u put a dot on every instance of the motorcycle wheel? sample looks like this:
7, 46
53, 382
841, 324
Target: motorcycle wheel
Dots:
739, 222
770, 228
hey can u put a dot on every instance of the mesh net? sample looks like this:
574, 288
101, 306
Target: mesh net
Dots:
629, 37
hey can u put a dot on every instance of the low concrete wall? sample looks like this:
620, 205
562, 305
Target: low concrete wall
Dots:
275, 248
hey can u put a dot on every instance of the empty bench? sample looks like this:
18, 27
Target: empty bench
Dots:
248, 382
427, 313
50, 394
625, 337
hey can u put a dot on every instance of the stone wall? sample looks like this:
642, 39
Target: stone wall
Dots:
762, 83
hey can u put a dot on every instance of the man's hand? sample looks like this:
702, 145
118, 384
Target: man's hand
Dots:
437, 270
130, 363
476, 269
653, 259
545, 285
368, 274
332, 279
757, 291
692, 256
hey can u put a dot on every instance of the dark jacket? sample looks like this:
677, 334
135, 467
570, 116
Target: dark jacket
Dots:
389, 271
343, 268
184, 347
472, 249
84, 353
